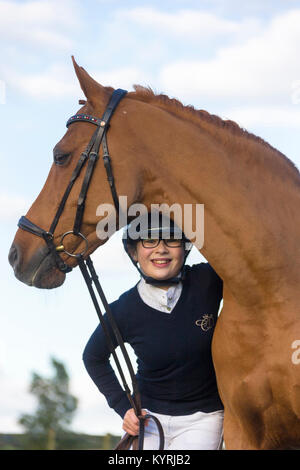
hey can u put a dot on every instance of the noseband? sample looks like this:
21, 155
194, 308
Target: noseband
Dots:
91, 155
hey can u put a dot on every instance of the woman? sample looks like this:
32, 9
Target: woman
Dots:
168, 318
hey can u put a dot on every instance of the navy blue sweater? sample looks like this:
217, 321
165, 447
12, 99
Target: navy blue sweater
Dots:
175, 372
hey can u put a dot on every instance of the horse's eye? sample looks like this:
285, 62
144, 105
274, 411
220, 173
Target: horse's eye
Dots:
61, 158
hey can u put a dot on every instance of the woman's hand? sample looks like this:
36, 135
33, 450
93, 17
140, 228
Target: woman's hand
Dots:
131, 423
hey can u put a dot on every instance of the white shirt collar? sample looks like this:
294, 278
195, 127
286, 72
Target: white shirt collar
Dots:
157, 298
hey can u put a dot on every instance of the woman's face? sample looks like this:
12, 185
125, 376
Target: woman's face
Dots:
161, 262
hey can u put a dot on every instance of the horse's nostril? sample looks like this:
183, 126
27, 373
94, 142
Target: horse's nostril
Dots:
13, 255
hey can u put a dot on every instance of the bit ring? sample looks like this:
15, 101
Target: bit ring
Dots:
74, 255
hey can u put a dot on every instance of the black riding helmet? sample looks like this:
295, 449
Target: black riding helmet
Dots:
158, 226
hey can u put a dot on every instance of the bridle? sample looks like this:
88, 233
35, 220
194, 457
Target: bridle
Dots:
91, 156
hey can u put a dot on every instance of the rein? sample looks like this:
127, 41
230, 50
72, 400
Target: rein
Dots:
91, 155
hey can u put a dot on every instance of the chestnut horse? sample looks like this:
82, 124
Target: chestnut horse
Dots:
164, 152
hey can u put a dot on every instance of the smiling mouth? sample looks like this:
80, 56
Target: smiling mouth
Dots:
161, 263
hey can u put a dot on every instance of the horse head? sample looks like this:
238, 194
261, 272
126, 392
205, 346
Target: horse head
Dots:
32, 260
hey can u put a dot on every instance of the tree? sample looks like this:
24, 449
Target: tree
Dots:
107, 441
56, 407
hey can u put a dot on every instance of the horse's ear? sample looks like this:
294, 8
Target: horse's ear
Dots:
92, 89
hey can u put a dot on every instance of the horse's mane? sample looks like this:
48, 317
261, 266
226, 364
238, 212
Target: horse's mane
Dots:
189, 112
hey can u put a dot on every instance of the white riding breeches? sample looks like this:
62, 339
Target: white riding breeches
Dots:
198, 431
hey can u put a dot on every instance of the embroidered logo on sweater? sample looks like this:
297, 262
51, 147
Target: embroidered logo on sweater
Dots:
206, 322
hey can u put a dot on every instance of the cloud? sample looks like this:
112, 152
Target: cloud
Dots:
260, 68
111, 255
55, 81
59, 80
273, 116
11, 206
39, 23
187, 24
15, 400
123, 77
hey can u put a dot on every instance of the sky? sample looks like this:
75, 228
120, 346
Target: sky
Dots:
239, 60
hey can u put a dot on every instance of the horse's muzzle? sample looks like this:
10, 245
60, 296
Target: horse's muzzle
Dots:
39, 271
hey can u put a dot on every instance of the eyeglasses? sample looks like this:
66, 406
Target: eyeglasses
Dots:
154, 242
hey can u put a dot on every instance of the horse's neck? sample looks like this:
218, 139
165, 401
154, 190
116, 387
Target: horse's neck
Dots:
251, 210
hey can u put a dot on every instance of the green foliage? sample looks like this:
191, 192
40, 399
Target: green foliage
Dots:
55, 410
64, 441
